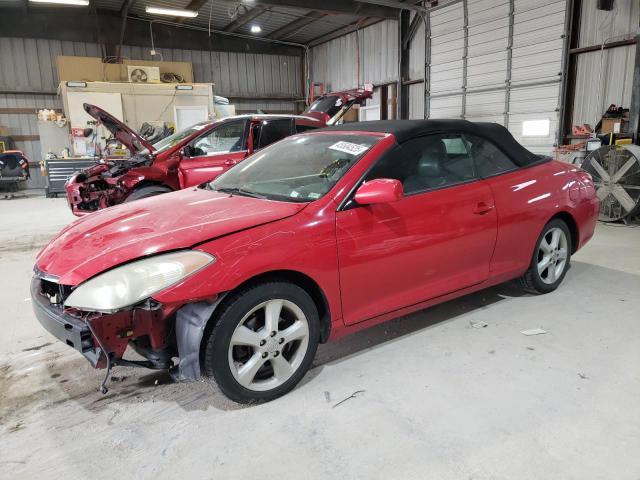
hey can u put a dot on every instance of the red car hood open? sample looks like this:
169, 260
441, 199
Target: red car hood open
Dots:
109, 237
130, 139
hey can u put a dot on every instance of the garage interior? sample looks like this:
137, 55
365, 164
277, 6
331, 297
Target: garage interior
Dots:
456, 391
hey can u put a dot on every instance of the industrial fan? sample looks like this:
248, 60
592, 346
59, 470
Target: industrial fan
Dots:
616, 174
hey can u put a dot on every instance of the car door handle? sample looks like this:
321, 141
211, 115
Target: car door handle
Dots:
483, 208
230, 162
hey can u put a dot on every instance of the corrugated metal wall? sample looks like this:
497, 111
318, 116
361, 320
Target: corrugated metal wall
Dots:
29, 65
605, 77
506, 69
335, 63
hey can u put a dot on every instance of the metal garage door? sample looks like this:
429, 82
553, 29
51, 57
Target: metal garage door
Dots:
497, 61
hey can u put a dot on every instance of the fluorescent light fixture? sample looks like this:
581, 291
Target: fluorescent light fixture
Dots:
184, 87
173, 12
77, 84
255, 29
79, 3
536, 128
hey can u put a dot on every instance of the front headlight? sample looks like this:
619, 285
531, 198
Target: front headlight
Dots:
131, 283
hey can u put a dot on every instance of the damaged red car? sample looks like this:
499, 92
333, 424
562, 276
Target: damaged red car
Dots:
192, 156
316, 236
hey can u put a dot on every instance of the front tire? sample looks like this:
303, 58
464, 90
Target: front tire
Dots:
146, 192
263, 342
550, 260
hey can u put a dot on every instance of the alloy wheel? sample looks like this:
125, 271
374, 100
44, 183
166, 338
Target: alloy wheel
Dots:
552, 255
268, 345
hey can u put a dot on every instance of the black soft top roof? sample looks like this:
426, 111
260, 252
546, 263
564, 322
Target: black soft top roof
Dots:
404, 130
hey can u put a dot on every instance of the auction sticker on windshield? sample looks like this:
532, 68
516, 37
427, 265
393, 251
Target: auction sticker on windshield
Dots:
350, 148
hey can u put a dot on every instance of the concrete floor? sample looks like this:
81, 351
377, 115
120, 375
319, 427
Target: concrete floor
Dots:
439, 399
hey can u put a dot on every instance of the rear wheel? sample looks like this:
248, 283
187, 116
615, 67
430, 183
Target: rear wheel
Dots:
551, 259
147, 191
263, 342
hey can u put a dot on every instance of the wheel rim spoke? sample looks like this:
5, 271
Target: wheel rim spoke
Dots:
555, 239
544, 245
247, 372
282, 369
272, 312
562, 254
551, 273
295, 332
543, 265
246, 336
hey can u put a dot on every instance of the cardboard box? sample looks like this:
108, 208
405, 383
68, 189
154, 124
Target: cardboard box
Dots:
612, 125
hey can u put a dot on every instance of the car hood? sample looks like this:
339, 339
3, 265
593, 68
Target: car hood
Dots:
129, 138
126, 232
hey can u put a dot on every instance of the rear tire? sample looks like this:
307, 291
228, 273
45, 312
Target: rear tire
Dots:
146, 192
263, 342
550, 260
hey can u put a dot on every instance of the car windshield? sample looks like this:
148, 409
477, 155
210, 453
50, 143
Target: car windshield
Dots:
176, 138
301, 168
330, 105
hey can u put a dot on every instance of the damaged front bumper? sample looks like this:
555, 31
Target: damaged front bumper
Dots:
156, 332
145, 328
65, 327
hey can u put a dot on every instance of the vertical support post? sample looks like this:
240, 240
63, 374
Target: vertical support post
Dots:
465, 56
634, 110
384, 102
427, 65
569, 69
403, 58
507, 82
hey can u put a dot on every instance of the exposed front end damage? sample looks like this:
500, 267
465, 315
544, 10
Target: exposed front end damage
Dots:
103, 185
103, 338
154, 331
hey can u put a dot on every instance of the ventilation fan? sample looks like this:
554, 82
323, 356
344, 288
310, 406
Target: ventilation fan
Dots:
143, 74
616, 174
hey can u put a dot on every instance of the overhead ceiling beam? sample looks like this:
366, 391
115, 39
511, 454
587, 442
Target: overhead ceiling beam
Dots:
410, 5
245, 18
364, 22
295, 26
47, 25
339, 7
194, 5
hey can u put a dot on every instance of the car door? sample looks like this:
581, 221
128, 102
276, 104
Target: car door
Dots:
437, 239
213, 153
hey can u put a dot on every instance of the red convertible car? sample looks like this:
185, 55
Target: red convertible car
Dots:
319, 235
192, 156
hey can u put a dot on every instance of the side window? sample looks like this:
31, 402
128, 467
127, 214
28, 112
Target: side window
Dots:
488, 158
428, 162
227, 137
270, 131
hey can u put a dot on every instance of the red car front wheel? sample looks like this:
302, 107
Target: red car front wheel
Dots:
263, 342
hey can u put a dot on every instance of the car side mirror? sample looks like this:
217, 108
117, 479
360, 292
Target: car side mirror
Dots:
380, 190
